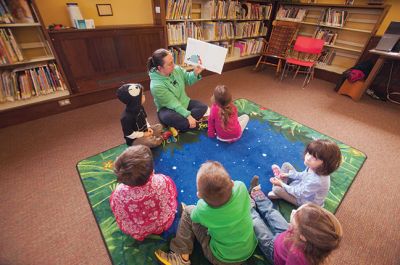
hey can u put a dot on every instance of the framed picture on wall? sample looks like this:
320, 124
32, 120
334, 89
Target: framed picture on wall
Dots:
349, 2
104, 9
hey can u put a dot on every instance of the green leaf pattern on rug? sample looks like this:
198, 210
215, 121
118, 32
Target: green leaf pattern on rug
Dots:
97, 176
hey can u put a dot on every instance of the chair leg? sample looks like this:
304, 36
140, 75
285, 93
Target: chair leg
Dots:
312, 76
278, 68
295, 74
258, 63
284, 70
308, 77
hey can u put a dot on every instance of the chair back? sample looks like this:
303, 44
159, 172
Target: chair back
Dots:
308, 45
282, 35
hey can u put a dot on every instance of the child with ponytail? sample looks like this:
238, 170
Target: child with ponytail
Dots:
223, 121
309, 239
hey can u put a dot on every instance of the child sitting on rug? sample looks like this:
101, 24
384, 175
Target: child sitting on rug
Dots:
223, 121
135, 126
221, 221
321, 157
143, 202
311, 236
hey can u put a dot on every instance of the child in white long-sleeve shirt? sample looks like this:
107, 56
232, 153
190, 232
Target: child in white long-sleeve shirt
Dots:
321, 157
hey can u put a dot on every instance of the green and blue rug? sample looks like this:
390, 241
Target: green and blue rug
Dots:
269, 138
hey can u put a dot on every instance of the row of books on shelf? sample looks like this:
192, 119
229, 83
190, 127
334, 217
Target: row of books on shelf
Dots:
25, 83
329, 16
237, 49
178, 33
250, 29
253, 11
208, 31
178, 54
329, 36
333, 17
216, 9
296, 14
179, 9
9, 49
15, 11
248, 47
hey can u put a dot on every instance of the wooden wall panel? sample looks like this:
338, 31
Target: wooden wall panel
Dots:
108, 57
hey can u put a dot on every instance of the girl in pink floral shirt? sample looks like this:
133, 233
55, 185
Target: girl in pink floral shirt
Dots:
143, 202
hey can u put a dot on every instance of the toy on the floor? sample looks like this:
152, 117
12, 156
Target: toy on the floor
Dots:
202, 124
170, 135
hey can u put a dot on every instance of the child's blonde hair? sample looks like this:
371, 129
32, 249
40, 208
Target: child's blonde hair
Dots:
327, 151
214, 184
318, 231
223, 99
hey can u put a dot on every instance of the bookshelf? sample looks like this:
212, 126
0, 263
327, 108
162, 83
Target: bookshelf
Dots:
345, 29
28, 69
239, 26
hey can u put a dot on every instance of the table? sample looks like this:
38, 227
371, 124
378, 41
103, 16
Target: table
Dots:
383, 56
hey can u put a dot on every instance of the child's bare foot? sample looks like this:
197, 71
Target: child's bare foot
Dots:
276, 170
272, 195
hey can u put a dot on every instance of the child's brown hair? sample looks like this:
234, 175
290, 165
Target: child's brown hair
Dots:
318, 231
223, 99
134, 166
327, 151
214, 185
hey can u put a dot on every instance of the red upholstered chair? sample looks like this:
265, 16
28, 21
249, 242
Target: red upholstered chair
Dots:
303, 58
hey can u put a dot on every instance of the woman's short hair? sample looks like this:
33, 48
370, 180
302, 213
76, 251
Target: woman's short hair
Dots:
214, 184
327, 151
134, 166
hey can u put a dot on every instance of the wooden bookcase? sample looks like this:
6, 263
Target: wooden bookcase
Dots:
238, 26
28, 68
347, 30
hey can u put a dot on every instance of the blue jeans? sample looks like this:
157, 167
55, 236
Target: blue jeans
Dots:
268, 223
171, 118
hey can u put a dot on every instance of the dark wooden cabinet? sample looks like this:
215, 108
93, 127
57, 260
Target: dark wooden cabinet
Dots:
106, 58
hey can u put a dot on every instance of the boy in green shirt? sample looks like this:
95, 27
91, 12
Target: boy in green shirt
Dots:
221, 221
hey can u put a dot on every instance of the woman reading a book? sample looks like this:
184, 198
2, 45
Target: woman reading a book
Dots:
167, 85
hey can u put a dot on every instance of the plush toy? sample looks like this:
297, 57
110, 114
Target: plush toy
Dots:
170, 135
56, 27
134, 122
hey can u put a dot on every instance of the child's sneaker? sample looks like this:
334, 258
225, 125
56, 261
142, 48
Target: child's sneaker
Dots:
256, 193
253, 183
276, 170
202, 124
170, 258
272, 195
180, 209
